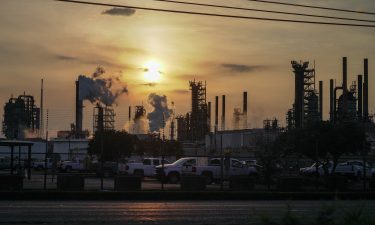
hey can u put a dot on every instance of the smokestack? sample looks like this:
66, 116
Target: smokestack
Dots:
79, 114
365, 89
130, 113
244, 109
360, 94
331, 101
321, 100
41, 110
223, 113
216, 112
209, 116
344, 76
344, 88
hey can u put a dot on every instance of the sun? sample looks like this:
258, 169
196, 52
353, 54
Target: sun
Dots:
152, 71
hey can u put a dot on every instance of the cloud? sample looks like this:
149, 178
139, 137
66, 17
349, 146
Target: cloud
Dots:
149, 84
65, 57
84, 60
241, 68
119, 12
180, 91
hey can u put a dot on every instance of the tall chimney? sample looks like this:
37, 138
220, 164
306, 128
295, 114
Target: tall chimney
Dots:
130, 113
209, 116
344, 89
216, 112
79, 114
41, 132
321, 100
365, 90
359, 96
331, 101
223, 113
245, 109
345, 75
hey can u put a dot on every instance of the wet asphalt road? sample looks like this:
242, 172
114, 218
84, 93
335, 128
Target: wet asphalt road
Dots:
170, 212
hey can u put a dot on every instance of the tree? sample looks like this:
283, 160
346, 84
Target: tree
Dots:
115, 144
155, 146
323, 142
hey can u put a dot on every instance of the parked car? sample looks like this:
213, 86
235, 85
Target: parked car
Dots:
145, 168
39, 164
349, 169
70, 165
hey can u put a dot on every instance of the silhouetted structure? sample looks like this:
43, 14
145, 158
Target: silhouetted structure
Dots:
140, 112
223, 112
306, 100
183, 124
236, 118
271, 125
365, 115
104, 118
244, 110
344, 108
79, 113
199, 122
20, 116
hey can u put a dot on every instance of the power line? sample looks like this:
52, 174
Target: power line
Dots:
216, 15
313, 7
263, 10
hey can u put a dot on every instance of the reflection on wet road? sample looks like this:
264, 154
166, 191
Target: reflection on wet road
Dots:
170, 212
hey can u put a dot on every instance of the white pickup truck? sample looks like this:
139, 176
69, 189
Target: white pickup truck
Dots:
211, 169
232, 167
75, 164
146, 168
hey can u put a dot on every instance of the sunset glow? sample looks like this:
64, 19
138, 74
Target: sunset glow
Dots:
152, 71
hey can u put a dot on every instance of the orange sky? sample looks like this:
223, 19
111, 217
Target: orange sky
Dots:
59, 41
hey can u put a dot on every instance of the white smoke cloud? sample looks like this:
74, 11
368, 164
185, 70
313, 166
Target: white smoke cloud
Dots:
138, 126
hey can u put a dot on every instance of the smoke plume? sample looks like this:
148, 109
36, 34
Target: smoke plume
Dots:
160, 113
99, 88
140, 124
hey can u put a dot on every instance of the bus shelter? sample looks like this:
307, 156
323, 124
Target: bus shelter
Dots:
12, 144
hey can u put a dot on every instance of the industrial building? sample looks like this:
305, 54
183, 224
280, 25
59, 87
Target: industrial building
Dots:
242, 142
21, 117
196, 124
352, 104
103, 118
199, 119
307, 105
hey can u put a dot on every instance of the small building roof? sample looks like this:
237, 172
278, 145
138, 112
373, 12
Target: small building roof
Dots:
11, 143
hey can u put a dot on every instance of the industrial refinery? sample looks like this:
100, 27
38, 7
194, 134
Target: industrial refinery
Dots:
198, 130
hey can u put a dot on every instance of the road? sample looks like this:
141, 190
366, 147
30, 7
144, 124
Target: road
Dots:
170, 212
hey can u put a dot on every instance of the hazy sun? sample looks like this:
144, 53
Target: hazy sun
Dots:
152, 71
